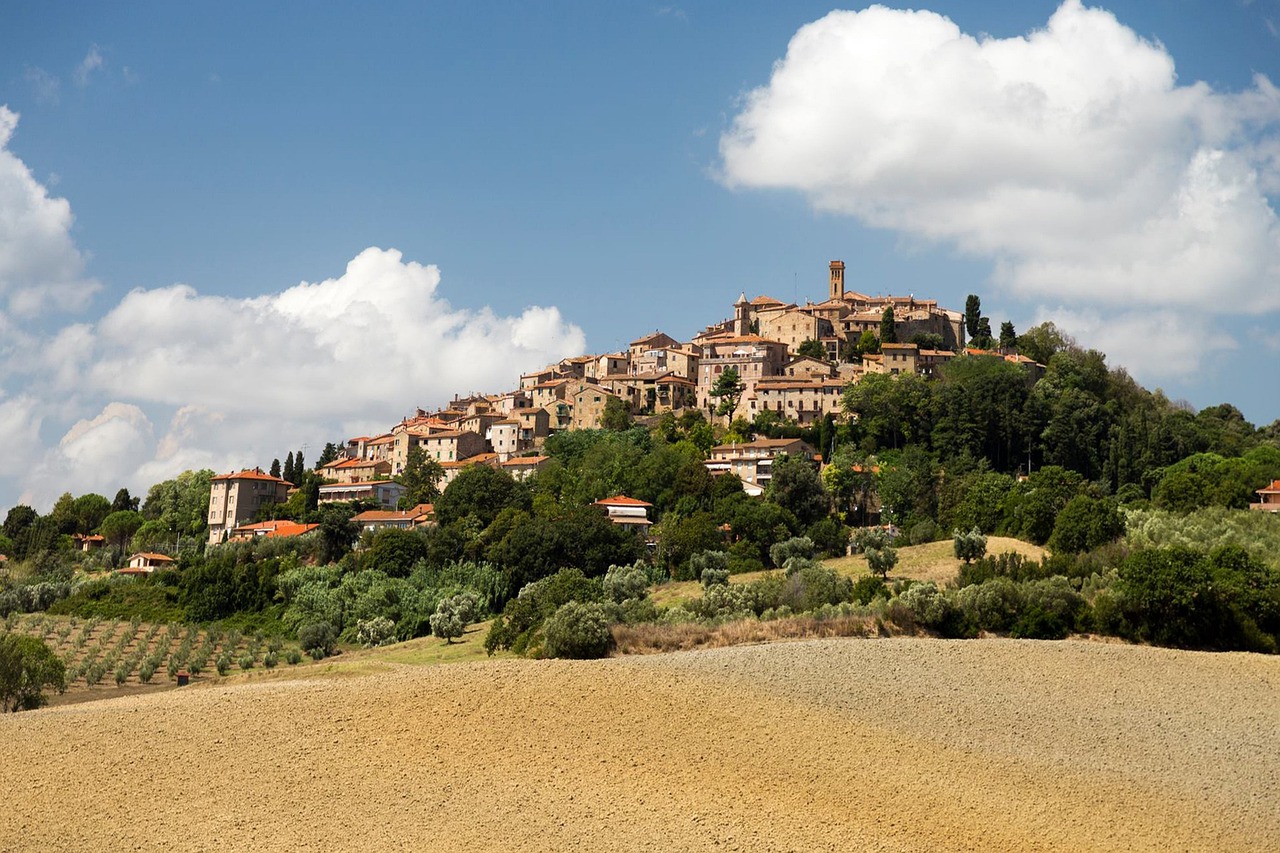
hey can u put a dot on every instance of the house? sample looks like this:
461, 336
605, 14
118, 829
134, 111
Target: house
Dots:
145, 563
804, 401
235, 499
408, 519
753, 461
89, 543
1268, 498
588, 404
624, 510
504, 437
650, 342
752, 356
387, 493
356, 470
271, 530
520, 467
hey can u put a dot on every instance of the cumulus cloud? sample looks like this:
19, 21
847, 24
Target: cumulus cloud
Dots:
40, 267
239, 381
1071, 157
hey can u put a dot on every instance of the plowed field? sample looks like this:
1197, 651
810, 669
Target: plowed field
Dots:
840, 745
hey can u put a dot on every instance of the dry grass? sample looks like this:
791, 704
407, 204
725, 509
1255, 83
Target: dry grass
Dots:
653, 638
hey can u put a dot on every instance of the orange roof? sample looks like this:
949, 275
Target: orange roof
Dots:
251, 474
517, 461
279, 528
621, 500
765, 300
155, 558
1273, 489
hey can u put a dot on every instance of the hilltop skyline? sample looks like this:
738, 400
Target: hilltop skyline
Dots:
231, 231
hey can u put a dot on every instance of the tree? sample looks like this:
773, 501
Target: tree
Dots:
90, 509
972, 314
124, 501
728, 390
1084, 524
327, 455
27, 667
1008, 337
868, 342
969, 546
881, 560
1041, 342
299, 466
119, 527
290, 471
888, 328
274, 470
18, 520
421, 477
616, 415
483, 492
983, 340
812, 349
453, 614
796, 485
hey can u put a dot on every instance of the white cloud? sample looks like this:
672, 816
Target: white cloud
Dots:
44, 86
1159, 345
92, 62
1071, 158
40, 267
250, 379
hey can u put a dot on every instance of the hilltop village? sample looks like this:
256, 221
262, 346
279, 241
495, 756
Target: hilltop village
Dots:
770, 356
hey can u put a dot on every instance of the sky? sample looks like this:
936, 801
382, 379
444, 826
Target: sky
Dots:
233, 230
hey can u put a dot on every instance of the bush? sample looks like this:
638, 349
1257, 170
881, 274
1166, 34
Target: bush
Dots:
796, 546
453, 615
829, 536
931, 608
869, 587
246, 662
714, 577
881, 560
223, 663
269, 660
991, 606
27, 667
969, 546
703, 560
377, 631
813, 586
578, 630
923, 532
293, 656
625, 582
317, 639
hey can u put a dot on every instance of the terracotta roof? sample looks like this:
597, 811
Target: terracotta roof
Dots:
518, 461
251, 474
276, 528
651, 337
744, 339
1272, 489
761, 443
765, 300
155, 558
622, 500
382, 439
393, 514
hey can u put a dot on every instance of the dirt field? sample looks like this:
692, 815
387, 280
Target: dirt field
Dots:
836, 745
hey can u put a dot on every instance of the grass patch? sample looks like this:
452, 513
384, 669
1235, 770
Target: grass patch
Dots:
653, 638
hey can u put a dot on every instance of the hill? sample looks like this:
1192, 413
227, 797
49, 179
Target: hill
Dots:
897, 744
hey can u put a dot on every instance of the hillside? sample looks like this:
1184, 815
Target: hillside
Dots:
831, 745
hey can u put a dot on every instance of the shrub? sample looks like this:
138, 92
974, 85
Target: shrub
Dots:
812, 586
991, 606
969, 546
714, 577
27, 667
453, 615
578, 630
293, 656
246, 661
146, 671
869, 587
881, 560
626, 582
931, 608
377, 631
223, 664
923, 532
269, 660
796, 546
317, 638
829, 536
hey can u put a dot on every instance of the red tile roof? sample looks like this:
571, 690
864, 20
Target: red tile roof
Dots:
621, 500
251, 474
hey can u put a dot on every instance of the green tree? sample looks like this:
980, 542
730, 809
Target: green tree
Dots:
483, 492
90, 510
888, 327
881, 560
327, 455
274, 470
27, 667
812, 349
453, 614
969, 546
728, 390
796, 486
299, 466
1042, 342
868, 343
290, 471
983, 339
1008, 337
1086, 523
616, 415
972, 314
124, 501
63, 514
119, 527
421, 478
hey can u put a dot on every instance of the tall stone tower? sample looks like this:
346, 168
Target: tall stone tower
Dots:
742, 316
837, 279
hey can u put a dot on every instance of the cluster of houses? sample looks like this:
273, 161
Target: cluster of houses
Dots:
655, 374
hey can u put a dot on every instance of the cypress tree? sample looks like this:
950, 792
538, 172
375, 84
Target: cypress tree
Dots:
290, 472
275, 468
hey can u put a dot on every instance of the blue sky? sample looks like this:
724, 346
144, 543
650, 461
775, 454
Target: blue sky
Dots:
560, 176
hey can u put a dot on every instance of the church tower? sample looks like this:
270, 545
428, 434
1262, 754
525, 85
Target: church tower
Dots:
837, 280
742, 316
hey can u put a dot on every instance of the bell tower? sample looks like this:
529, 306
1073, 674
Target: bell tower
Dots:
837, 280
741, 316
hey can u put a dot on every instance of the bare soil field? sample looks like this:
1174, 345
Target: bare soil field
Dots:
840, 745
